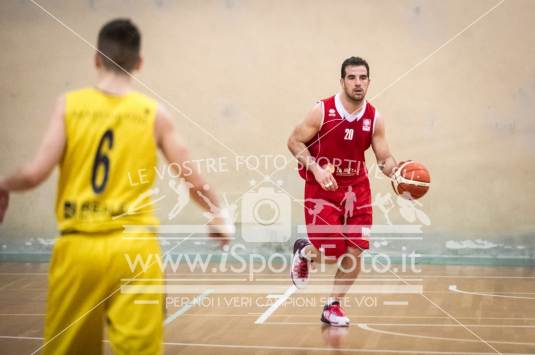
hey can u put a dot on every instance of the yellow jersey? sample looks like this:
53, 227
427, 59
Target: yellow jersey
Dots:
109, 140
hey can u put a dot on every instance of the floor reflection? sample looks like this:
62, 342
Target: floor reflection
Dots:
333, 336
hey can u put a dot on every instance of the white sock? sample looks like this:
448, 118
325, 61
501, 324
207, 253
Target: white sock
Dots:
303, 254
330, 300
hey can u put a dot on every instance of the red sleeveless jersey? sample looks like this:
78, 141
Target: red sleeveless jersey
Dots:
342, 141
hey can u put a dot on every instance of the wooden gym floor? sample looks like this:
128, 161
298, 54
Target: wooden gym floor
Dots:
441, 310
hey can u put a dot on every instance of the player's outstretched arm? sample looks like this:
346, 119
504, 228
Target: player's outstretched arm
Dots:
303, 133
177, 154
385, 160
39, 168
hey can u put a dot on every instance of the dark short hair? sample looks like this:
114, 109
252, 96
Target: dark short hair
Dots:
354, 61
119, 44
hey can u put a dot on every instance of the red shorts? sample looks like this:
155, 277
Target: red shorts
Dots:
338, 219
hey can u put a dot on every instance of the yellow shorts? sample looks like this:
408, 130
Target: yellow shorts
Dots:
84, 291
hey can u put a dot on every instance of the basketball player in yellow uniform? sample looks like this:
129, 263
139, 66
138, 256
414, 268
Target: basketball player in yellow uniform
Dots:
98, 136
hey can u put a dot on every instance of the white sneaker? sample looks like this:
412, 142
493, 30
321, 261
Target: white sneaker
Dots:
334, 315
299, 270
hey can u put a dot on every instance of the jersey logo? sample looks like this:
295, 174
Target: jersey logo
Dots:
349, 134
332, 112
366, 125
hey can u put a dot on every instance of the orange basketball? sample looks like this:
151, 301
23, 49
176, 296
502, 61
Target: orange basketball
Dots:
411, 180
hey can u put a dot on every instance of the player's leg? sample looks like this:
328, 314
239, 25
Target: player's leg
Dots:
321, 246
135, 319
74, 320
349, 265
346, 273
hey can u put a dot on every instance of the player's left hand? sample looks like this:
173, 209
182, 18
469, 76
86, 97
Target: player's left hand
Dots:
222, 228
4, 203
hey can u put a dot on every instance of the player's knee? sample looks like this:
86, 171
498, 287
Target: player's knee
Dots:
350, 261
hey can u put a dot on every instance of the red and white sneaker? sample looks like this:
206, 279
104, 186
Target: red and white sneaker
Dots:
334, 315
299, 270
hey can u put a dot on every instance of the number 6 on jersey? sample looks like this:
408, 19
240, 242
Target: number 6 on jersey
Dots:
102, 159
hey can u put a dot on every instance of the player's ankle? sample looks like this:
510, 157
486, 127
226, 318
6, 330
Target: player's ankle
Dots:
304, 251
304, 255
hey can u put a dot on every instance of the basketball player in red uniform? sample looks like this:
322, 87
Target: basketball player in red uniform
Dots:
329, 145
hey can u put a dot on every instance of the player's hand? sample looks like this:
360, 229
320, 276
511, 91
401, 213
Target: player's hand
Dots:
324, 177
4, 203
393, 175
222, 228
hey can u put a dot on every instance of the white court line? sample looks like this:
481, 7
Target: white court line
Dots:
365, 326
394, 317
5, 286
20, 338
452, 325
27, 286
453, 288
395, 303
276, 305
417, 325
187, 307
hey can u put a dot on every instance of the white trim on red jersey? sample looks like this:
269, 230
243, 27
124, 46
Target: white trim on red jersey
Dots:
344, 114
